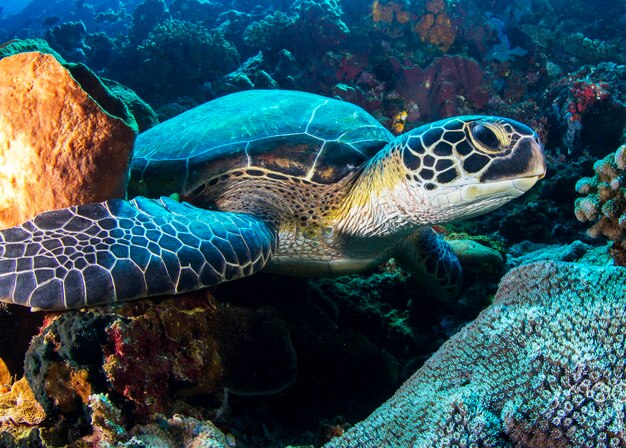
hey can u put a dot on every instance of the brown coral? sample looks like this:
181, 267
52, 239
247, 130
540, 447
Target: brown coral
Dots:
391, 17
435, 26
605, 202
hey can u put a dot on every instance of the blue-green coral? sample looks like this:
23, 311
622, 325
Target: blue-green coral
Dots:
543, 366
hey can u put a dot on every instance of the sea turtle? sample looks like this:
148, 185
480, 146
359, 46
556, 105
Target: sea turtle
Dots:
285, 181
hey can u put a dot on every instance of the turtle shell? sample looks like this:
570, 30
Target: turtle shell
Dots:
295, 133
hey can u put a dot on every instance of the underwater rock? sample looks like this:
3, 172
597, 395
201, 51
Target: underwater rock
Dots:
543, 366
53, 133
148, 355
477, 259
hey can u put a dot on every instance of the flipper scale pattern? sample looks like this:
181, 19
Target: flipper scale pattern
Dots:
121, 250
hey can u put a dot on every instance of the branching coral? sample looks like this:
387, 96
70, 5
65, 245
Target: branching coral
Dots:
605, 203
543, 366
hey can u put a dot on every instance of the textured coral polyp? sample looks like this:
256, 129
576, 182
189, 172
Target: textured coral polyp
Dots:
605, 202
544, 366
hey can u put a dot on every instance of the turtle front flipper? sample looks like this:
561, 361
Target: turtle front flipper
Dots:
122, 250
430, 259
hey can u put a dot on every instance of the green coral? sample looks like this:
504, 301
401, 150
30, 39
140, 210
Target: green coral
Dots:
27, 45
605, 202
543, 366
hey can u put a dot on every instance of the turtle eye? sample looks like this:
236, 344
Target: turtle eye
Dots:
485, 136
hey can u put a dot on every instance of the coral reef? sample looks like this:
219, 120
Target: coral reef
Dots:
152, 357
180, 58
312, 27
177, 431
518, 376
357, 338
589, 109
268, 33
69, 38
604, 203
436, 91
146, 17
34, 122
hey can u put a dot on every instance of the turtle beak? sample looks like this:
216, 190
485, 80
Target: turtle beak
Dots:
526, 161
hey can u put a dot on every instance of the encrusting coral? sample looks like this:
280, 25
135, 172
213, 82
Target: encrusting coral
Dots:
543, 366
605, 203
177, 431
19, 410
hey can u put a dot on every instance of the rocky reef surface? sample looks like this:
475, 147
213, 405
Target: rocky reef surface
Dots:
269, 361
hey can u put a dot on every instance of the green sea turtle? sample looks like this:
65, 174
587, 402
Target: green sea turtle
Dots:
289, 182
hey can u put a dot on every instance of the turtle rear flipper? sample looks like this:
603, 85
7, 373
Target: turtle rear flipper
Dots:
122, 250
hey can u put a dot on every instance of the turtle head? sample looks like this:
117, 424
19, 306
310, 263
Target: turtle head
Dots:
465, 166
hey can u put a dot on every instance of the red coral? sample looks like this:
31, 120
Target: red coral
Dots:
584, 95
158, 347
135, 368
434, 92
